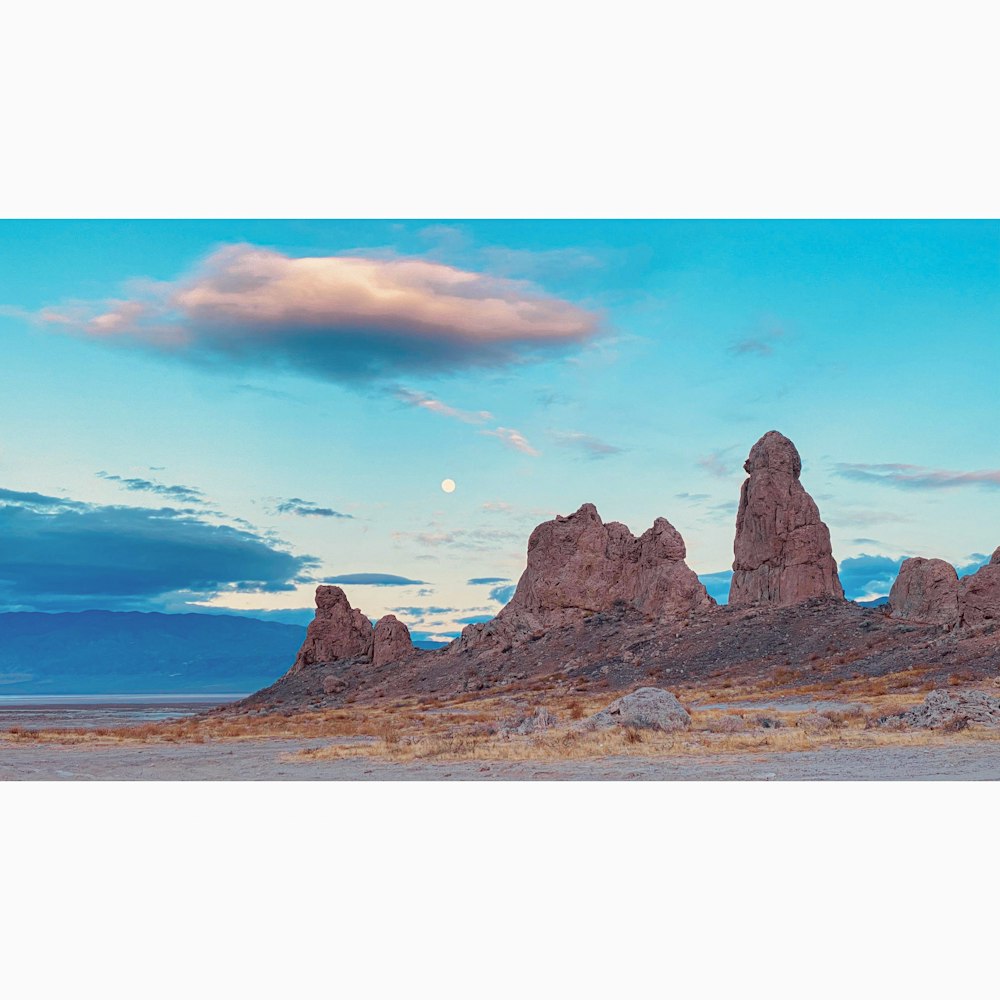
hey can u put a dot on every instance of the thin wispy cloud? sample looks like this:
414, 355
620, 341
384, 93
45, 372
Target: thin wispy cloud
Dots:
592, 447
753, 345
513, 439
418, 612
918, 477
462, 538
343, 318
182, 494
424, 402
498, 506
373, 580
306, 508
761, 342
718, 463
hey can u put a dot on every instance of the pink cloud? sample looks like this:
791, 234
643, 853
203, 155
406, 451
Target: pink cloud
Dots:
513, 439
918, 477
336, 317
432, 405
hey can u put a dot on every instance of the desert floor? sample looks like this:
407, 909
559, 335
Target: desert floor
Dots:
762, 729
279, 760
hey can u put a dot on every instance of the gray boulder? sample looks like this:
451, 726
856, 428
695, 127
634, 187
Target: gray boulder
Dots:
646, 708
950, 710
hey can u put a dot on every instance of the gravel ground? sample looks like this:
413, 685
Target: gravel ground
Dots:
266, 760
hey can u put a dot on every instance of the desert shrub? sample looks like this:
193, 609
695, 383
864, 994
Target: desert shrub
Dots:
842, 716
387, 732
785, 675
726, 724
633, 735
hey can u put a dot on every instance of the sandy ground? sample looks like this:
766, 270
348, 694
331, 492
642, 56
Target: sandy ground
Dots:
266, 760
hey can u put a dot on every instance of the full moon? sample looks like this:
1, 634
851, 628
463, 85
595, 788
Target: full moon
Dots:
448, 485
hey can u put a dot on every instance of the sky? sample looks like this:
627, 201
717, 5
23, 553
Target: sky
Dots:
218, 416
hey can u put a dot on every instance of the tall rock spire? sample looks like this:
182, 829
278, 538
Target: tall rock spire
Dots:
782, 548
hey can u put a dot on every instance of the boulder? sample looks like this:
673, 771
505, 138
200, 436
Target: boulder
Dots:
926, 591
338, 631
332, 684
979, 597
782, 548
950, 710
391, 641
578, 565
645, 708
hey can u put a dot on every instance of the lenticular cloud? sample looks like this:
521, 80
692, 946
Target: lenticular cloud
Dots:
337, 317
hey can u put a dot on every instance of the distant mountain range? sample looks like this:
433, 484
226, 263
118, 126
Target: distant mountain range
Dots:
133, 652
119, 652
875, 602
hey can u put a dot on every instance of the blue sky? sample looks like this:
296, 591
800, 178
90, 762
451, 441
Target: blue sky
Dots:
218, 415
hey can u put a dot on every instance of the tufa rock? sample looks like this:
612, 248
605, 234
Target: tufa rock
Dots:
391, 641
944, 710
334, 685
929, 591
782, 548
926, 590
578, 565
646, 708
979, 598
338, 632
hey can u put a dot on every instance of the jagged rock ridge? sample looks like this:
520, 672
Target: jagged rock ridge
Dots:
578, 565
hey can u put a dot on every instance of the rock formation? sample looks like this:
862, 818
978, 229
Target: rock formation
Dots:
782, 548
926, 590
578, 565
392, 641
645, 708
929, 591
943, 709
979, 599
338, 631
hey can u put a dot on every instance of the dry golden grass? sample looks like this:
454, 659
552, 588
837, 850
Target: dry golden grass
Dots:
566, 743
475, 726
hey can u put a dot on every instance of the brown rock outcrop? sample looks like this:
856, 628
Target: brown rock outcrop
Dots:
926, 590
979, 598
782, 548
578, 565
337, 632
391, 641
